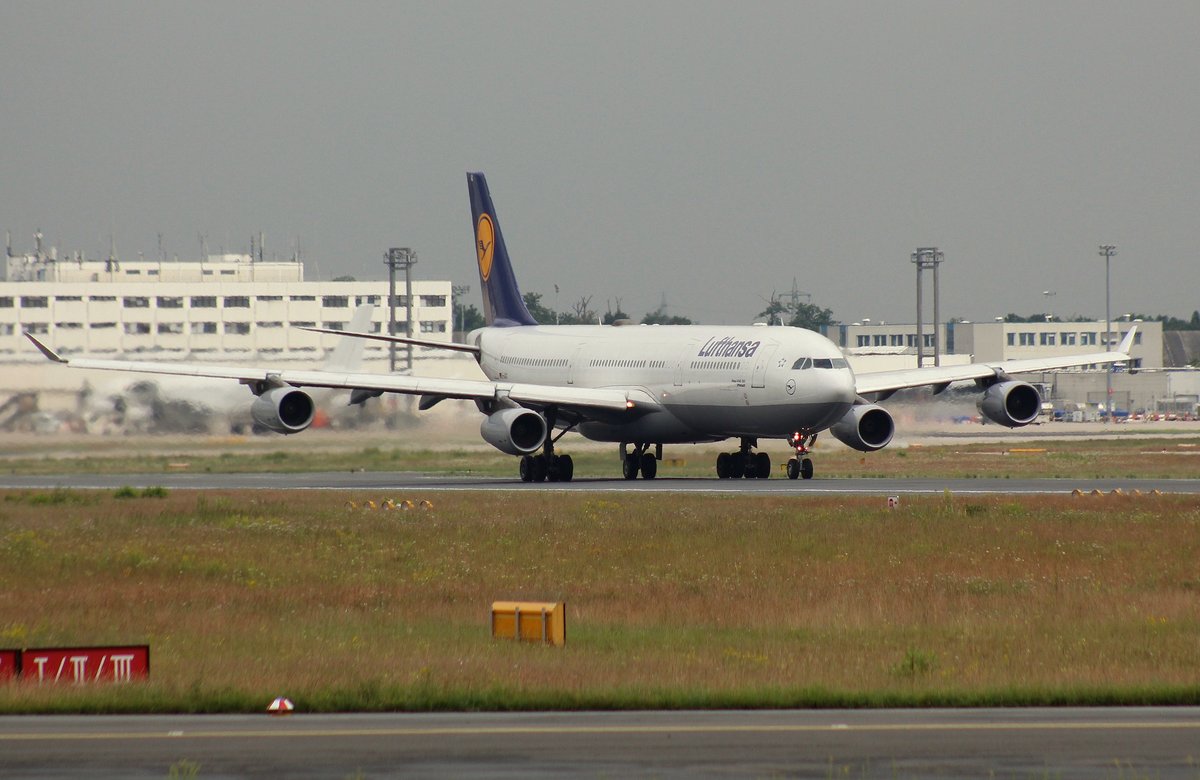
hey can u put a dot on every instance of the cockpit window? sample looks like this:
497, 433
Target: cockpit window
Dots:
830, 363
802, 364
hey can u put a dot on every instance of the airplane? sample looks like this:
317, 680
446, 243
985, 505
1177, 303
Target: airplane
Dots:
639, 386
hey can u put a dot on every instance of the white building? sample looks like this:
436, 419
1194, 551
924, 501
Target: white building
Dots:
227, 309
987, 342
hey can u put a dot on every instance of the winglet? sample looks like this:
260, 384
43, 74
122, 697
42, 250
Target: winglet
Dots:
44, 349
1127, 342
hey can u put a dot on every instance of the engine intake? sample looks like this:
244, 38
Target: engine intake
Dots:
284, 410
514, 431
866, 428
1011, 404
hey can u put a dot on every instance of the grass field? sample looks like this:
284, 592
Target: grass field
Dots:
673, 601
1118, 456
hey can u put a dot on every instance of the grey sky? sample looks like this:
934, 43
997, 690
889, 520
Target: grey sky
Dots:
709, 150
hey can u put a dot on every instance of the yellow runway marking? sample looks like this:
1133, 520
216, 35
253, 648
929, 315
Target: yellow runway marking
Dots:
450, 731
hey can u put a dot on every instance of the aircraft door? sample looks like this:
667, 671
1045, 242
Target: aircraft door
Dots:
679, 373
576, 356
761, 360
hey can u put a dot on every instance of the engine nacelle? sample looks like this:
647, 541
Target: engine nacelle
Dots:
1012, 404
514, 431
866, 428
284, 410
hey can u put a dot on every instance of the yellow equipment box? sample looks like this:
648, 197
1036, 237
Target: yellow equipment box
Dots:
530, 621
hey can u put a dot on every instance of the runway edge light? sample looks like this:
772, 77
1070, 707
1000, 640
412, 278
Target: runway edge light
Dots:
530, 621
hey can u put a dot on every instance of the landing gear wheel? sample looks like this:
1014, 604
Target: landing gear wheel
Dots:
629, 467
552, 468
649, 466
723, 466
793, 468
566, 468
737, 465
762, 465
526, 469
806, 468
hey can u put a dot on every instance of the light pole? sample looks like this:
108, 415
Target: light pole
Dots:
400, 257
1048, 294
1108, 250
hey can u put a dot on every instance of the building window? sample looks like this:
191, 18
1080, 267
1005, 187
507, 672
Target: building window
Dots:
335, 325
1027, 339
135, 302
228, 272
929, 339
304, 324
137, 328
270, 298
68, 325
237, 302
165, 302
203, 327
300, 298
6, 328
237, 328
335, 301
204, 302
898, 340
6, 302
1087, 339
133, 272
67, 298
170, 327
270, 325
34, 301
37, 327
433, 300
103, 325
369, 299
1046, 339
433, 326
879, 341
400, 300
103, 298
1012, 339
864, 341
1067, 339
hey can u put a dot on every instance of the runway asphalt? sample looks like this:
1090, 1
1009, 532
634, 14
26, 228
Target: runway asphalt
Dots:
411, 481
1021, 743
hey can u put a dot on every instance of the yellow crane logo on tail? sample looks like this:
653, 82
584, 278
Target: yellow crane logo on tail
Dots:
485, 244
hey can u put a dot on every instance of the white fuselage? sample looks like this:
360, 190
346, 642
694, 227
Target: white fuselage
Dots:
711, 382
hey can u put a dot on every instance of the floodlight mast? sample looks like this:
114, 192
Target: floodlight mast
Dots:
400, 257
1108, 250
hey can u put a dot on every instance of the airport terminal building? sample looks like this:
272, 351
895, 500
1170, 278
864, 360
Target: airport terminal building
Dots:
225, 307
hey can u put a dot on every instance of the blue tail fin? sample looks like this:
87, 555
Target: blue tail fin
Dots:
502, 302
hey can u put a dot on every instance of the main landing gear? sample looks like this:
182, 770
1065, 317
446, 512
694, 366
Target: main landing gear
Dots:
801, 466
744, 463
548, 467
640, 461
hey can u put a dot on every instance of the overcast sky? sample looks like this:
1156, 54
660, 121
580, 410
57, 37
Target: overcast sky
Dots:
708, 151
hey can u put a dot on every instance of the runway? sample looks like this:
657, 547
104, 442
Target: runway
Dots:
1061, 743
423, 482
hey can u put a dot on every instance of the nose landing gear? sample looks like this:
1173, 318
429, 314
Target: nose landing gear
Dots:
801, 466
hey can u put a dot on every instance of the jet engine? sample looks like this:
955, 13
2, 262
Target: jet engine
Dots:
866, 427
283, 410
514, 430
1011, 403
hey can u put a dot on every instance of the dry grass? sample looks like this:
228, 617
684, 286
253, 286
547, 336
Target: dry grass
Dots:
672, 601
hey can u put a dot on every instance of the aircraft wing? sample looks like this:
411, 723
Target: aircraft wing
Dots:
891, 381
610, 399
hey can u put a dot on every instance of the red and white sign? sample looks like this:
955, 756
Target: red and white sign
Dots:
8, 664
81, 665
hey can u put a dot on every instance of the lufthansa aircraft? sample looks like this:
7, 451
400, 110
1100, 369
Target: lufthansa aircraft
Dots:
636, 385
